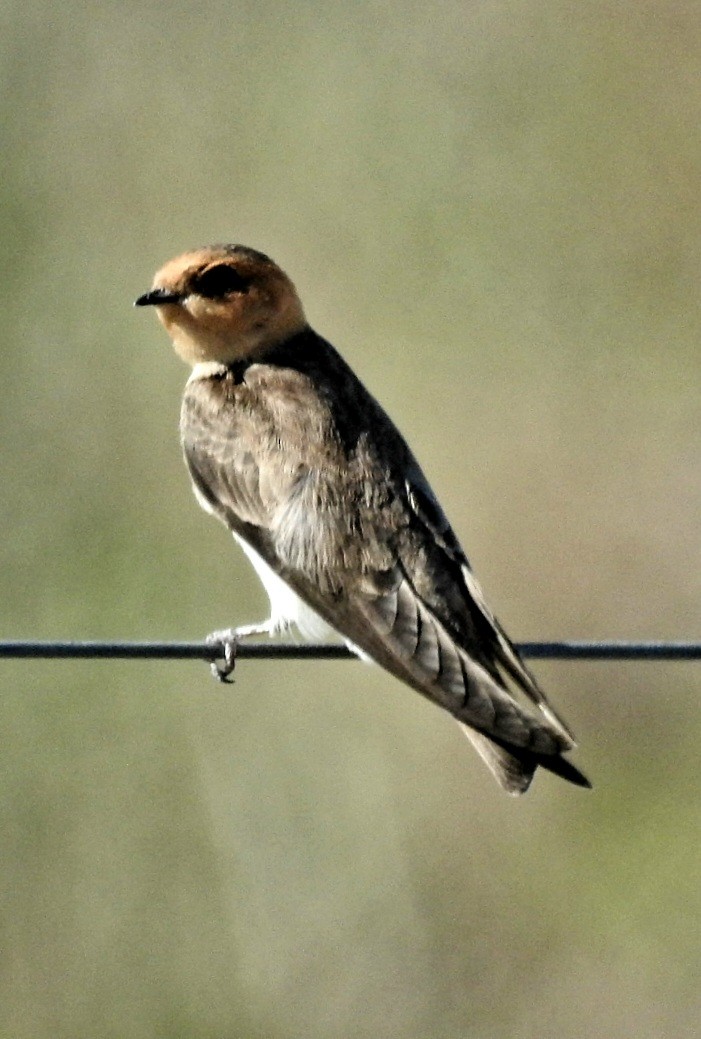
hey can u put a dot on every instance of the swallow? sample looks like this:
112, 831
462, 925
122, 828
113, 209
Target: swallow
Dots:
287, 448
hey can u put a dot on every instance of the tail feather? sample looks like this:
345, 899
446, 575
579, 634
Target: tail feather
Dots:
514, 775
514, 767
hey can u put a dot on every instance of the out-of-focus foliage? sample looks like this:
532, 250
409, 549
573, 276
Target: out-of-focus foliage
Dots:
493, 210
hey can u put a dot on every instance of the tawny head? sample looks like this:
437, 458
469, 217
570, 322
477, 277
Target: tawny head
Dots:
224, 303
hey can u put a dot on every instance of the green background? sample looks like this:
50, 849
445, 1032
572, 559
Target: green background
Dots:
493, 210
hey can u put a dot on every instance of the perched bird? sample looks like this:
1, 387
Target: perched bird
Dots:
289, 450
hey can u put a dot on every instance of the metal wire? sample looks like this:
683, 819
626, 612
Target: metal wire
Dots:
83, 650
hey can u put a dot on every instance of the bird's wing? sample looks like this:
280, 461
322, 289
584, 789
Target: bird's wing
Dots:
432, 628
487, 639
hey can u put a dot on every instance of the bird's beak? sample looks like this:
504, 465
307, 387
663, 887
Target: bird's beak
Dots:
157, 297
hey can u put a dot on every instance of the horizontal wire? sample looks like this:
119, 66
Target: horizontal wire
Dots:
93, 650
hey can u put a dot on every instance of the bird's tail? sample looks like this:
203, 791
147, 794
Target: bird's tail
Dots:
514, 767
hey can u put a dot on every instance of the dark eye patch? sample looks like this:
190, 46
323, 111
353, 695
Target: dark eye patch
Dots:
220, 281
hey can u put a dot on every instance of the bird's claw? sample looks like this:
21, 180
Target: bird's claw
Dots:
225, 643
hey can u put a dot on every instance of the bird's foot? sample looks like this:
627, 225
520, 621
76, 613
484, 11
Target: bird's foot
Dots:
225, 645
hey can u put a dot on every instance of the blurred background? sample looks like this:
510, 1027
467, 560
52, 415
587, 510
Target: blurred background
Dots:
493, 211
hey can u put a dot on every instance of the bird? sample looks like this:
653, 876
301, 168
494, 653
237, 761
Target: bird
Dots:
289, 450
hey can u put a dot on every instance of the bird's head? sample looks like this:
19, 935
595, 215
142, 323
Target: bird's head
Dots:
224, 303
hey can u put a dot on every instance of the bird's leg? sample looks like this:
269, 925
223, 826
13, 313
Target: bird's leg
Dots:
229, 639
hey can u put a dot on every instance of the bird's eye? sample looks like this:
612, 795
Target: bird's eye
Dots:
220, 281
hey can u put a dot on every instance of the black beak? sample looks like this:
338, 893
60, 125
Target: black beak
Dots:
156, 297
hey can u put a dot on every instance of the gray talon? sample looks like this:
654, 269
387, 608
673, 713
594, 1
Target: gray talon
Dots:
228, 640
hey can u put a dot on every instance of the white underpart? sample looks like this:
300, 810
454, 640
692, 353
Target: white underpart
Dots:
286, 607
